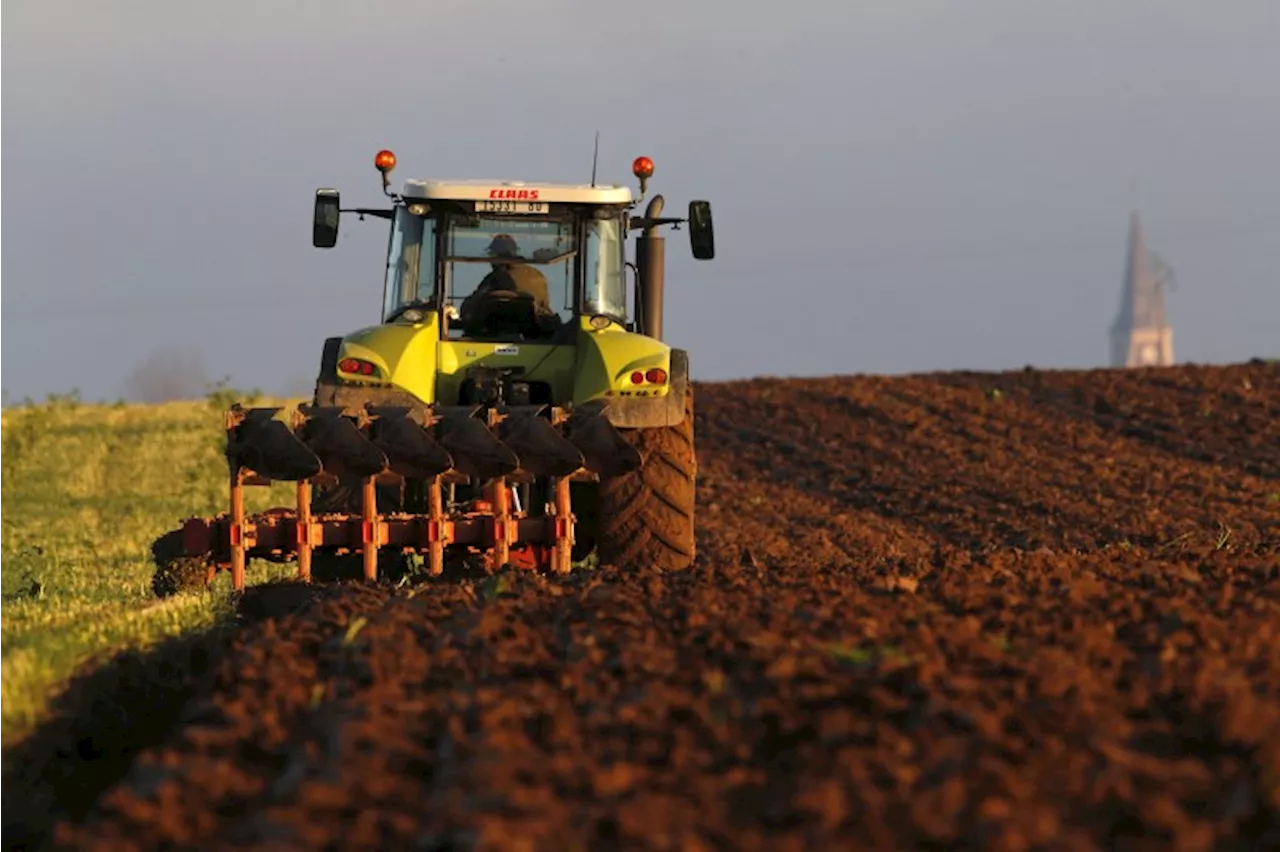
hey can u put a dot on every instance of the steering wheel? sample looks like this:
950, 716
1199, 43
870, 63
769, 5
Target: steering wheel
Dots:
506, 312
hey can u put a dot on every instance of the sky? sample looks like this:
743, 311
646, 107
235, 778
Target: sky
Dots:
896, 186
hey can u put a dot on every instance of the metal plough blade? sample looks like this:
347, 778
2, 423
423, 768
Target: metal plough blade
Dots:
477, 452
339, 443
540, 446
411, 450
267, 446
604, 450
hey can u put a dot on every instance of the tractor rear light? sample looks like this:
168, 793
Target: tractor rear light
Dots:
656, 376
637, 378
355, 365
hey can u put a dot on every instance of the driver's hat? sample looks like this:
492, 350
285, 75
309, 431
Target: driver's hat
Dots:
504, 245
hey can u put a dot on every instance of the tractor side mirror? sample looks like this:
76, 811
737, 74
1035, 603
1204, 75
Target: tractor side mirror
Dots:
702, 237
324, 229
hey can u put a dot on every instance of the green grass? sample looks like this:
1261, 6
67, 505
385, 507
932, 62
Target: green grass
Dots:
86, 489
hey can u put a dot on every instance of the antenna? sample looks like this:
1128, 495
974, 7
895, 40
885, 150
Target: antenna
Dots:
595, 158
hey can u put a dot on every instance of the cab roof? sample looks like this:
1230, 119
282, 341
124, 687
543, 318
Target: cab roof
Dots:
515, 190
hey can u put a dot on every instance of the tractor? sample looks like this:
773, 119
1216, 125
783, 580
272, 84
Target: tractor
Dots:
516, 405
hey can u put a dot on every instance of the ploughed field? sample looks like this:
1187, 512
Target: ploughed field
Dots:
996, 611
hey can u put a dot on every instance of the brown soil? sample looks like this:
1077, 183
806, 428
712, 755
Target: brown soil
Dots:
1025, 610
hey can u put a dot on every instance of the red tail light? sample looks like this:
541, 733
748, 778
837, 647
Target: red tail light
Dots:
637, 378
656, 376
355, 365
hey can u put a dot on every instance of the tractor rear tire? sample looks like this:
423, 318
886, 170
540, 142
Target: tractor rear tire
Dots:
645, 519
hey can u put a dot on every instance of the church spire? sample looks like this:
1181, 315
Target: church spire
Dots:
1140, 335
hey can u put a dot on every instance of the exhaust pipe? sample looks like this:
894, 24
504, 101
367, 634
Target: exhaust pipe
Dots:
651, 268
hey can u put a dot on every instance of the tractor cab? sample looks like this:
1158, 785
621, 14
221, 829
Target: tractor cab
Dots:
507, 262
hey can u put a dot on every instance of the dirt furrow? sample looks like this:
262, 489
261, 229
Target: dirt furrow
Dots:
923, 613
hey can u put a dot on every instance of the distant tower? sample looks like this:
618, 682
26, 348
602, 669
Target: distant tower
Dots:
1140, 336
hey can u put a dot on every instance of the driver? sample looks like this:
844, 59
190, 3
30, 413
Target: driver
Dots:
510, 275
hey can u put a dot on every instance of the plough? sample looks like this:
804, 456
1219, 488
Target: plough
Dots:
389, 451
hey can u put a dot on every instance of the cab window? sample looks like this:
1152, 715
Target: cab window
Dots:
410, 264
533, 257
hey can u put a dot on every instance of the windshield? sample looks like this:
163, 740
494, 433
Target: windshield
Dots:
410, 263
534, 258
539, 257
606, 286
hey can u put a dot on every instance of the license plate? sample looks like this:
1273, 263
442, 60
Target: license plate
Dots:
511, 207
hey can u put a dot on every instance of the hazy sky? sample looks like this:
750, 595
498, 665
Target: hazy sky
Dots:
897, 185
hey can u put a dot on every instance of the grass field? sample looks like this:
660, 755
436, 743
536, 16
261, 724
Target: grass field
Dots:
86, 488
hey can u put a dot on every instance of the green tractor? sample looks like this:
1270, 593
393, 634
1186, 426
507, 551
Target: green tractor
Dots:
514, 405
